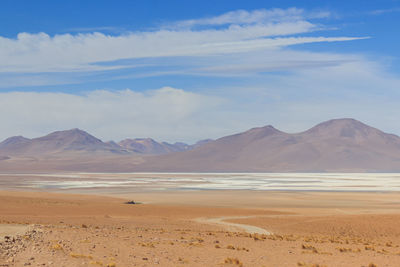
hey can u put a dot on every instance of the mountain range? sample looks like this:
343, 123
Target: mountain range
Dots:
76, 140
340, 145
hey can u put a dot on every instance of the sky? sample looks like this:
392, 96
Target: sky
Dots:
190, 70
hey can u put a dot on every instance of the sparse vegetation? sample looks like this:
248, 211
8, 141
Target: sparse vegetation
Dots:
349, 250
96, 263
57, 247
309, 248
233, 261
81, 256
302, 264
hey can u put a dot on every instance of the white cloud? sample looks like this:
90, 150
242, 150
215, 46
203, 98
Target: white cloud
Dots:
384, 11
292, 89
252, 17
244, 31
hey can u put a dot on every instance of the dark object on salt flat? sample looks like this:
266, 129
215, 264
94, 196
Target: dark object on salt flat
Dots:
131, 202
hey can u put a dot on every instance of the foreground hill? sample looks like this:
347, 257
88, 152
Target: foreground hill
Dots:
341, 145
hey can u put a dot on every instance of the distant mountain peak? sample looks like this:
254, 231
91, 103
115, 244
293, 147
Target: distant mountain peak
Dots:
268, 128
263, 131
341, 122
151, 147
72, 133
346, 127
14, 140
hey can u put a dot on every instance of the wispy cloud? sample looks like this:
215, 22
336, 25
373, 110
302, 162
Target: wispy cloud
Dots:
384, 11
260, 16
242, 32
279, 83
110, 29
42, 53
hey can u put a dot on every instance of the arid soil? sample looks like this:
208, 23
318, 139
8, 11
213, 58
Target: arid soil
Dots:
185, 229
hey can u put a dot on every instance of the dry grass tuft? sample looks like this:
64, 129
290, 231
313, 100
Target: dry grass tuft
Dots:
147, 245
233, 261
57, 247
309, 248
302, 264
182, 260
96, 263
81, 256
370, 248
349, 250
383, 251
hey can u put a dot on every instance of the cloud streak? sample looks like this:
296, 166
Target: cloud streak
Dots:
242, 32
384, 11
260, 16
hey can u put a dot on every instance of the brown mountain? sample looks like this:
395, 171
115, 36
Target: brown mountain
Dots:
341, 145
57, 142
80, 141
336, 145
149, 146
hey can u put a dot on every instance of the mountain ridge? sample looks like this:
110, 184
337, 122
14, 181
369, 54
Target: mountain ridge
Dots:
78, 140
335, 145
338, 145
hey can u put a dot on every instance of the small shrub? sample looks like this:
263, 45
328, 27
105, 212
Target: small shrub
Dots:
233, 261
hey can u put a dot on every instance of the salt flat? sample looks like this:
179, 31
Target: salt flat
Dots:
113, 182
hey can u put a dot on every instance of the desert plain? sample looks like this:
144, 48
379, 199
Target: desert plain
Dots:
91, 224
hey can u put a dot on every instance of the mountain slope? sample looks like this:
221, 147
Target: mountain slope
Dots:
151, 147
76, 140
148, 146
57, 142
341, 145
335, 145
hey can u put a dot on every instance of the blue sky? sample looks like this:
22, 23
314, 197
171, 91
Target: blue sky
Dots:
188, 70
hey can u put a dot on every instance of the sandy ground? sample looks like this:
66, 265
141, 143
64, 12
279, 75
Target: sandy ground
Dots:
12, 230
200, 228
